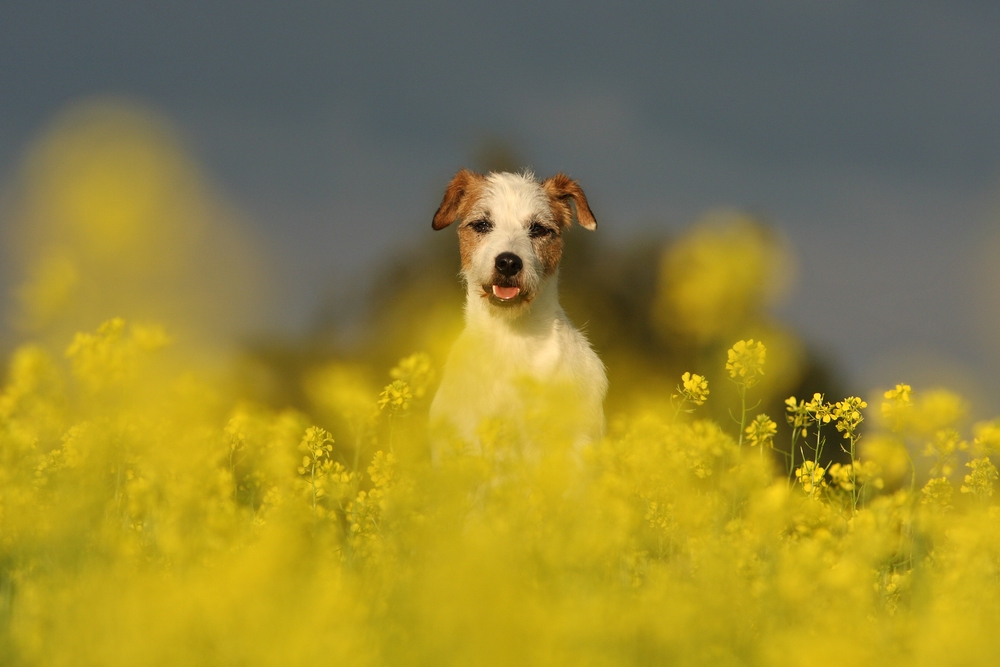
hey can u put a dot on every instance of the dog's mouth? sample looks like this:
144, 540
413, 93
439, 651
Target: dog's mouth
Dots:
503, 295
506, 293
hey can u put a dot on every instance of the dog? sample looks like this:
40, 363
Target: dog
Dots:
516, 336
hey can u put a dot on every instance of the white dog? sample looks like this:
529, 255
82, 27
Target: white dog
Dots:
516, 334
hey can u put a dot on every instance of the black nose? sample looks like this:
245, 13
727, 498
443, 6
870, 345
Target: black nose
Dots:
508, 264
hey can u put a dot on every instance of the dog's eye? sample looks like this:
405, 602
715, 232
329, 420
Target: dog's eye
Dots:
481, 226
538, 230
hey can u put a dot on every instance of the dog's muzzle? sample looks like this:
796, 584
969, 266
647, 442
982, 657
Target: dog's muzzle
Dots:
504, 289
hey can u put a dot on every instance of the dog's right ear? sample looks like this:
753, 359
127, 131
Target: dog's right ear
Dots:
457, 196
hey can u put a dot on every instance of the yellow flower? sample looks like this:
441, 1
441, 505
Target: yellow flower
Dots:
842, 476
901, 393
718, 277
761, 431
869, 473
113, 354
382, 469
396, 396
417, 371
820, 410
317, 444
810, 476
937, 493
987, 438
746, 361
897, 409
944, 447
798, 415
980, 481
694, 388
847, 414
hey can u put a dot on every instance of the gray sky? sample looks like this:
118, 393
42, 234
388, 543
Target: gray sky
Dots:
335, 126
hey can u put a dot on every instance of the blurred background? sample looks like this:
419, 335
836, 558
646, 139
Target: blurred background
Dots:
261, 177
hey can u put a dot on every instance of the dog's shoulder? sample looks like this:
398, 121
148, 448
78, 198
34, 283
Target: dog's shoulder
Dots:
580, 363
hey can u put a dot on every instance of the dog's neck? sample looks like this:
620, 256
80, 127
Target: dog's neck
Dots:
535, 320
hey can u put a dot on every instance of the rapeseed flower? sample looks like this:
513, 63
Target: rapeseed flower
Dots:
944, 447
987, 437
979, 482
819, 409
847, 415
149, 507
396, 396
897, 409
798, 416
719, 277
417, 371
842, 476
746, 362
761, 432
693, 388
811, 477
938, 493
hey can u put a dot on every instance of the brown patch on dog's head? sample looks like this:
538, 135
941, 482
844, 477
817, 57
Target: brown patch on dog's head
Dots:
468, 241
548, 249
459, 197
561, 189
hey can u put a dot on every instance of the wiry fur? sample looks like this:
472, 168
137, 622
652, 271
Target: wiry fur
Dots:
527, 337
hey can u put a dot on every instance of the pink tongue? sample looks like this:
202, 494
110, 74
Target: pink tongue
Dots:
505, 292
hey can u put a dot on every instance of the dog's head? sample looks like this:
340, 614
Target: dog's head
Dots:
510, 231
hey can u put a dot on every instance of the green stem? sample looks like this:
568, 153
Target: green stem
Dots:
791, 453
312, 479
743, 410
819, 443
854, 476
392, 432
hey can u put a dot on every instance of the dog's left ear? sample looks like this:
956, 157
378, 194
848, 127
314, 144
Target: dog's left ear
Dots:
561, 189
457, 196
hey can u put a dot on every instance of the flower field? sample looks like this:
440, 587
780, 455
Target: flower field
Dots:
153, 523
155, 511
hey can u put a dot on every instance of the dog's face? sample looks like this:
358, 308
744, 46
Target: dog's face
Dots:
510, 232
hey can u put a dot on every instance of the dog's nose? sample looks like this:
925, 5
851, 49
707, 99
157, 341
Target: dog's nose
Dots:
508, 264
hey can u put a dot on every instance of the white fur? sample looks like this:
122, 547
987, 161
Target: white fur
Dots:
501, 347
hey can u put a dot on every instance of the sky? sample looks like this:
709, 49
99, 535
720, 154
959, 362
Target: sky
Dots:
867, 133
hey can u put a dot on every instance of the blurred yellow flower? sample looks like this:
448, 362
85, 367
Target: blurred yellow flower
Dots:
798, 416
719, 277
842, 476
761, 431
937, 493
396, 396
980, 481
417, 371
746, 362
987, 437
897, 408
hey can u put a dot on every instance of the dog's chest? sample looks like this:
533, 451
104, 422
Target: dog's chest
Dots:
538, 357
486, 373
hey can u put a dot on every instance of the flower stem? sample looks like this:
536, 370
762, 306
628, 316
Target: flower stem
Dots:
743, 410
